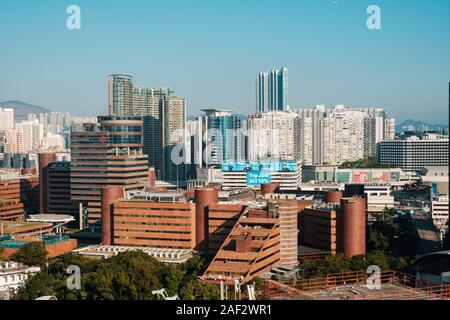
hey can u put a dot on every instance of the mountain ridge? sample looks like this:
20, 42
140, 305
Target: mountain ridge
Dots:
22, 109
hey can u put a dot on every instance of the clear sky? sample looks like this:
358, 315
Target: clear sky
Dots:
210, 51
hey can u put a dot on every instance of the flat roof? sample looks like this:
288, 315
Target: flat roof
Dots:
362, 292
161, 254
54, 218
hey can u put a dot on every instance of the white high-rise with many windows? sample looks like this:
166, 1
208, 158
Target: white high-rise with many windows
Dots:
273, 136
6, 119
318, 135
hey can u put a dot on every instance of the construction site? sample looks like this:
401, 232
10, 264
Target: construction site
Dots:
389, 285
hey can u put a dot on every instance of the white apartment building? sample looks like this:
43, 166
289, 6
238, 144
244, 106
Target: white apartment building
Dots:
53, 142
379, 197
6, 119
12, 276
439, 213
273, 136
340, 134
32, 134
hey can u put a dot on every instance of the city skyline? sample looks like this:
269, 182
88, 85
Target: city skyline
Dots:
343, 64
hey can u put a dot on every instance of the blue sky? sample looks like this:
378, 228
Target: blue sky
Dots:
210, 51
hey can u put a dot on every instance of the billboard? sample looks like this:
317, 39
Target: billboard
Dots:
395, 176
343, 177
270, 166
256, 178
361, 177
379, 176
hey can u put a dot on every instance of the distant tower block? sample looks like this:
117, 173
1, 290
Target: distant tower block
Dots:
352, 226
44, 160
333, 197
269, 188
203, 198
109, 195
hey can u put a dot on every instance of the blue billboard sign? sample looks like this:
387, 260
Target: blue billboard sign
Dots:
257, 178
270, 166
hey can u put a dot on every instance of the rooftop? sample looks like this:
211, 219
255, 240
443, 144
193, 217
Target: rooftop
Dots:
51, 218
161, 254
358, 286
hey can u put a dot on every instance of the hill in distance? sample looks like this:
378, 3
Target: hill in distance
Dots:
412, 125
22, 109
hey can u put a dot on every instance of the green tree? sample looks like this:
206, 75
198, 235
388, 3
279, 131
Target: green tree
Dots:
173, 278
126, 276
399, 263
358, 263
199, 290
378, 258
31, 254
377, 240
38, 285
195, 266
330, 264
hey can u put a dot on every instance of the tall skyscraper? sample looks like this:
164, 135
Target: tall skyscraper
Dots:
174, 136
217, 137
106, 154
120, 95
164, 123
147, 101
164, 130
273, 136
272, 91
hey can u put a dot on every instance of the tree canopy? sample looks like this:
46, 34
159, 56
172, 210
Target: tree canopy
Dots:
31, 254
126, 276
370, 162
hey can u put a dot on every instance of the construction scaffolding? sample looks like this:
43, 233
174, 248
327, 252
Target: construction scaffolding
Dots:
358, 285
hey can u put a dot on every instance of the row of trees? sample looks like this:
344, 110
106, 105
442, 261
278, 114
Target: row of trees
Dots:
126, 276
396, 237
318, 268
370, 162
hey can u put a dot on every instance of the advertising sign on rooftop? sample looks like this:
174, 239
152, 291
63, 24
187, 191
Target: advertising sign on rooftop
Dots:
270, 166
257, 178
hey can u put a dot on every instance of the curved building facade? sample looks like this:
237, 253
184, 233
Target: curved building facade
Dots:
109, 195
333, 197
203, 198
352, 227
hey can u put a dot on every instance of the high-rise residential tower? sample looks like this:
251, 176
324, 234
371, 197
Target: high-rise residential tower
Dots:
272, 91
120, 95
164, 137
164, 123
273, 136
6, 119
340, 134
